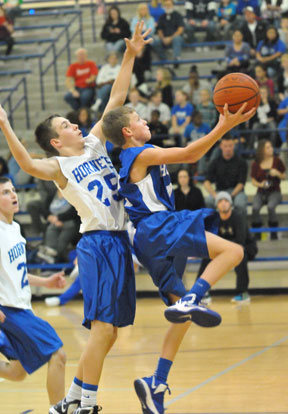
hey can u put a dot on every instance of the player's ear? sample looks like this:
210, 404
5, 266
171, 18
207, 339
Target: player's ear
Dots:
126, 131
55, 143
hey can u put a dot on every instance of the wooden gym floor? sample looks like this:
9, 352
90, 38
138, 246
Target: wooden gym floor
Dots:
238, 367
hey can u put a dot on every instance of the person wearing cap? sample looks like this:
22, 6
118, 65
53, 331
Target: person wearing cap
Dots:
232, 227
243, 5
252, 28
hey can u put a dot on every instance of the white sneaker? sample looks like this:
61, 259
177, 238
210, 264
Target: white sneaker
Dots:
53, 301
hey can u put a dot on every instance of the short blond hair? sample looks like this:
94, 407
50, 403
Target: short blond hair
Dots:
113, 123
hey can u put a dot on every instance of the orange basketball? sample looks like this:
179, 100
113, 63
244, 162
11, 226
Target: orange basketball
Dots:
235, 89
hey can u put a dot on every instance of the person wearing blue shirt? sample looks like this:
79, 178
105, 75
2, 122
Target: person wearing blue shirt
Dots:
242, 4
269, 51
181, 114
226, 15
283, 111
156, 10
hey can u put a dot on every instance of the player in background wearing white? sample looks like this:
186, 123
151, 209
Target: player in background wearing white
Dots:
28, 341
85, 175
165, 238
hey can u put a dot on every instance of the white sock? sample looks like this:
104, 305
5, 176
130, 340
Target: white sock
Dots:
74, 393
88, 398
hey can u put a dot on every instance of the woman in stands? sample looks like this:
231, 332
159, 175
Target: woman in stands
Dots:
267, 172
115, 30
164, 80
269, 51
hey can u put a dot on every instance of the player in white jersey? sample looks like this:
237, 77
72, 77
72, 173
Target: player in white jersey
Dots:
84, 173
26, 340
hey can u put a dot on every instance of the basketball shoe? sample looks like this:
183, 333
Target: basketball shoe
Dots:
150, 392
65, 407
88, 410
185, 309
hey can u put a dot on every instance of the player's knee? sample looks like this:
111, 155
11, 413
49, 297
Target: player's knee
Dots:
238, 253
59, 358
18, 374
104, 330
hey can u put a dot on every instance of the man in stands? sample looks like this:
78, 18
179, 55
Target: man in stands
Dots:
253, 29
80, 81
200, 15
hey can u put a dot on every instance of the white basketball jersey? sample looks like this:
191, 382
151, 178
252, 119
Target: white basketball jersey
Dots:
14, 286
92, 188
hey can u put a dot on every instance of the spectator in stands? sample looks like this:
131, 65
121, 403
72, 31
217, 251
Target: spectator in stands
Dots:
267, 171
39, 209
80, 81
265, 118
207, 108
187, 195
164, 85
283, 31
169, 30
143, 15
232, 227
159, 131
263, 79
12, 9
194, 86
242, 5
229, 172
155, 102
4, 171
115, 30
226, 16
283, 112
200, 15
253, 30
156, 9
269, 51
104, 82
62, 230
272, 10
181, 115
282, 79
6, 30
85, 121
136, 104
237, 54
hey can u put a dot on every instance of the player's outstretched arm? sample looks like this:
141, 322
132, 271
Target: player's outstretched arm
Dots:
45, 169
121, 84
56, 280
194, 151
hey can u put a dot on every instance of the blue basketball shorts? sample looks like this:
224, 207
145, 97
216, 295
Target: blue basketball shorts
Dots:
107, 278
30, 340
165, 239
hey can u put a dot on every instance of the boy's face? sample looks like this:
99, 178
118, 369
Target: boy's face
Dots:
69, 135
8, 199
139, 128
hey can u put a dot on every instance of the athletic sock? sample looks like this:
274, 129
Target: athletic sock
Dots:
199, 289
75, 390
163, 369
89, 394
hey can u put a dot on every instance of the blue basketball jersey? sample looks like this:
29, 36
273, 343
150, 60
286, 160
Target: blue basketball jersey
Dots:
153, 193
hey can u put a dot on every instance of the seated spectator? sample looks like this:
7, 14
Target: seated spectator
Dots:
283, 113
233, 227
115, 30
12, 9
155, 102
272, 10
263, 79
143, 15
62, 230
200, 15
283, 31
253, 29
169, 30
265, 118
207, 108
267, 172
6, 30
242, 5
156, 9
269, 51
229, 172
181, 115
237, 54
106, 76
80, 81
187, 195
159, 131
136, 104
226, 16
164, 85
194, 86
39, 209
85, 121
282, 79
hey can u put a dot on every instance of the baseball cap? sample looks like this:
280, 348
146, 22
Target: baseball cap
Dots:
249, 8
223, 195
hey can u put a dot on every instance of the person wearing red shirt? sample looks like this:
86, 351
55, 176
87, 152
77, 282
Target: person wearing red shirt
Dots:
6, 30
80, 81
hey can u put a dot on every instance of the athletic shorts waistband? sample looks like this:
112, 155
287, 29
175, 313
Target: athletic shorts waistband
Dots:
106, 232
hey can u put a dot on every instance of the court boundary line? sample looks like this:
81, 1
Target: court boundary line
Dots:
225, 371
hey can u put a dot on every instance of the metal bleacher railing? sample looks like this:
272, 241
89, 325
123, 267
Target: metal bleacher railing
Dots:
12, 104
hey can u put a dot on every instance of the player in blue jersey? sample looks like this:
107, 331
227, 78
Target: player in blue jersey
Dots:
26, 340
165, 238
84, 174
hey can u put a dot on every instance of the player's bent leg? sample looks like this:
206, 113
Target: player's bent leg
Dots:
56, 376
12, 371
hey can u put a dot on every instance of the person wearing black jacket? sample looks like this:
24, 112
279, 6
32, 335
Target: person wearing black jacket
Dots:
115, 30
200, 15
253, 29
187, 195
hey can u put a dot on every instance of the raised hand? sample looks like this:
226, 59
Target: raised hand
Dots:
229, 120
138, 41
3, 115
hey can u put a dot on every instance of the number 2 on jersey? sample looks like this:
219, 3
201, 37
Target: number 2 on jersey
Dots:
109, 178
24, 280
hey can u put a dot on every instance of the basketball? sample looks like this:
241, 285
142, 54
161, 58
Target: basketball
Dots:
235, 89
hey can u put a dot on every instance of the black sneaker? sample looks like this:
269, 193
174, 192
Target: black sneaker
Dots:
88, 410
64, 407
